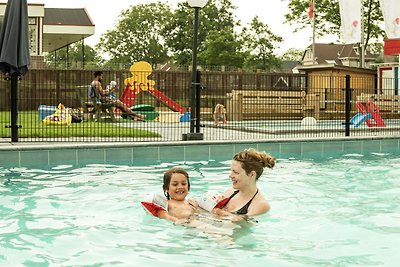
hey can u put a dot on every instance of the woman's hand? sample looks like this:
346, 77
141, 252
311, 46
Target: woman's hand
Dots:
193, 204
228, 215
220, 212
181, 220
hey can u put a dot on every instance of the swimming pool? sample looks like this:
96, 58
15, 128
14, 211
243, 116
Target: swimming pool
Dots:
331, 127
330, 210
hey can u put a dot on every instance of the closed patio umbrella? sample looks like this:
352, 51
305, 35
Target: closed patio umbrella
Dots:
14, 52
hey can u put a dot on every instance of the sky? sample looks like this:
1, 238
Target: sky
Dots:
271, 12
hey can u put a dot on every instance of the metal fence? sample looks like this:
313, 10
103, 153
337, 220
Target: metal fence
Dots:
257, 105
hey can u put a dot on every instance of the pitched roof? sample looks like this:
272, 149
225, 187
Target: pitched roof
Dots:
327, 53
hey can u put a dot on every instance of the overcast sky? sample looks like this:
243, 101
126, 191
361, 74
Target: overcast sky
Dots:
270, 12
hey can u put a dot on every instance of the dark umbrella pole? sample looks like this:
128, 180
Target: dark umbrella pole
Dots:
14, 53
14, 107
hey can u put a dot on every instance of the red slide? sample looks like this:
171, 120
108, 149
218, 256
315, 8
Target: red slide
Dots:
128, 97
166, 100
374, 110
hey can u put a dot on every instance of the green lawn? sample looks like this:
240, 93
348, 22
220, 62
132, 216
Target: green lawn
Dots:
33, 128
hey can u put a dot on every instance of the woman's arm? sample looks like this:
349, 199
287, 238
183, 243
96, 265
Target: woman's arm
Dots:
228, 215
258, 208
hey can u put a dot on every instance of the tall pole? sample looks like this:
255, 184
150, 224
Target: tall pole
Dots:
362, 36
194, 70
313, 32
198, 101
347, 106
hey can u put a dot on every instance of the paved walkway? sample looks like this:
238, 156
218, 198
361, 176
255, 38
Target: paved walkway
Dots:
172, 133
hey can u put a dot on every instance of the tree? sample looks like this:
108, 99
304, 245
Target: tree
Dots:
222, 48
138, 35
71, 55
216, 16
327, 17
259, 43
293, 54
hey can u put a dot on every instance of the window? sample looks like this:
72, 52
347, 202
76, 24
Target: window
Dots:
32, 36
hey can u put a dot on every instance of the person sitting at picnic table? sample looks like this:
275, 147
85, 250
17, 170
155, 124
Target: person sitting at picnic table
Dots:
106, 97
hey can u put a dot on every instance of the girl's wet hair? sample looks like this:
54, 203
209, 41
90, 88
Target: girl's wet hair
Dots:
253, 160
167, 179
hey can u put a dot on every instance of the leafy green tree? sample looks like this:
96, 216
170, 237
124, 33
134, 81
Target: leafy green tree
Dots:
327, 17
293, 54
138, 35
73, 55
216, 16
259, 43
222, 48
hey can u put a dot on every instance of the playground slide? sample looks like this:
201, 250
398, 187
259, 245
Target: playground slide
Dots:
359, 118
375, 119
128, 97
374, 110
166, 100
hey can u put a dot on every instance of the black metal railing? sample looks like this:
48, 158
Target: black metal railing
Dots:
257, 105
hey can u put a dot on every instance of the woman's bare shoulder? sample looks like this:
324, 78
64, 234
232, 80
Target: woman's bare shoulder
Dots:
259, 206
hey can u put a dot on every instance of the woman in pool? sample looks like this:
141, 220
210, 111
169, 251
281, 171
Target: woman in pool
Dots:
176, 187
244, 198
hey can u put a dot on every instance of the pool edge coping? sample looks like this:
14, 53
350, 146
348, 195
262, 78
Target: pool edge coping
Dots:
78, 145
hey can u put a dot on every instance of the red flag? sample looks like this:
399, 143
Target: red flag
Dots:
311, 10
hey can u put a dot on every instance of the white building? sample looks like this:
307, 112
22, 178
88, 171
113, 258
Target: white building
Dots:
53, 28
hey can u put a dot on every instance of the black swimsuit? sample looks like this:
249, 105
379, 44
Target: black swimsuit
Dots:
244, 209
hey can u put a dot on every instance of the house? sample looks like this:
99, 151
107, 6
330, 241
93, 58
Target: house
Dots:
53, 28
337, 54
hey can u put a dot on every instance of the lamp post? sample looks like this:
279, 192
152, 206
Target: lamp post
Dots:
196, 4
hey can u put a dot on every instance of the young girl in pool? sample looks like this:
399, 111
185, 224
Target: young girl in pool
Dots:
176, 187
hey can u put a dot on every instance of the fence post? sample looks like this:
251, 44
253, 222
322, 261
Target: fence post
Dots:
348, 106
198, 102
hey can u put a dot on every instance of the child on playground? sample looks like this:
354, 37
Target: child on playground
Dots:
110, 89
176, 187
219, 114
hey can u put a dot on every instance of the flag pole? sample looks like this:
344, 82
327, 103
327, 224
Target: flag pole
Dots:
362, 36
313, 29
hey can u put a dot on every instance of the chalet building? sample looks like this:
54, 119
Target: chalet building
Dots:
337, 54
53, 28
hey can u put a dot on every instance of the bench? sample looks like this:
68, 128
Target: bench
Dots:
385, 103
263, 105
93, 109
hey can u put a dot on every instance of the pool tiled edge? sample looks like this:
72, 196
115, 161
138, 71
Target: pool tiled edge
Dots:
153, 153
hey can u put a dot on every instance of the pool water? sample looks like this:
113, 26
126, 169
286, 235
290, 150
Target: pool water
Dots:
298, 125
338, 211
